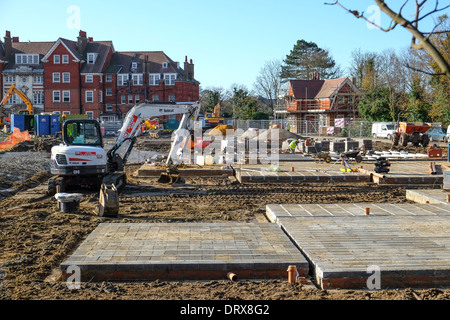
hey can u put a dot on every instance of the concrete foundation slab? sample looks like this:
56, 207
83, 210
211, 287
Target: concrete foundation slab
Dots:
396, 246
428, 196
185, 251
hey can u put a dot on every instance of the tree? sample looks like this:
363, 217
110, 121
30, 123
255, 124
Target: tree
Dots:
212, 96
245, 106
307, 59
420, 40
374, 106
268, 83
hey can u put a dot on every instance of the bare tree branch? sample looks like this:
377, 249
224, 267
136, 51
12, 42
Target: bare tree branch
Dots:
420, 40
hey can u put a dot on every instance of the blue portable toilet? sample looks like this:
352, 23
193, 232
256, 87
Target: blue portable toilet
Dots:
42, 124
55, 125
18, 121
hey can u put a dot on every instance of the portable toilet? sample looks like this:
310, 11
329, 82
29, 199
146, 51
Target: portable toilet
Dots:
42, 124
55, 125
23, 122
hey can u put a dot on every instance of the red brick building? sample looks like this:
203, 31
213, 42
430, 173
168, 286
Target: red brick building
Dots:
319, 102
90, 77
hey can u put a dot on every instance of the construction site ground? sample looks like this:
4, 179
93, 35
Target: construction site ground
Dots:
36, 237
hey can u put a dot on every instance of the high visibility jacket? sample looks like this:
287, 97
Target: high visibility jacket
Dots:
293, 144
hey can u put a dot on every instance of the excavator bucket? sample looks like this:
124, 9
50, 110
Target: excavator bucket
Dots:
108, 201
170, 178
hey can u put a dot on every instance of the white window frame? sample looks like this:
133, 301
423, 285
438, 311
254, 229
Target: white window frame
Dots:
123, 99
153, 79
90, 114
122, 79
137, 79
56, 93
56, 77
130, 99
56, 59
109, 92
64, 75
109, 107
137, 98
10, 79
169, 79
65, 58
38, 79
165, 65
38, 97
89, 78
109, 78
91, 94
134, 65
24, 58
172, 98
100, 96
66, 94
91, 57
155, 98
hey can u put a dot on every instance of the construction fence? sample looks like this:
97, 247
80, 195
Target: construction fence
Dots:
339, 128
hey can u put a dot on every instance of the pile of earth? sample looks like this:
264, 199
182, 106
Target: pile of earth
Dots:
41, 144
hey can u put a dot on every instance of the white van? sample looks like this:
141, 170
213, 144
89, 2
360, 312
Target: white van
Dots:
448, 134
383, 129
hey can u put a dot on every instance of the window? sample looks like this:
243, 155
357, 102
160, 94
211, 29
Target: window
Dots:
109, 107
56, 77
89, 78
122, 79
154, 79
171, 98
100, 96
130, 99
109, 78
56, 59
169, 79
10, 79
66, 77
137, 79
38, 79
123, 99
108, 92
155, 98
27, 58
56, 96
65, 58
89, 96
66, 96
90, 114
38, 97
165, 64
12, 99
91, 58
136, 99
66, 112
134, 65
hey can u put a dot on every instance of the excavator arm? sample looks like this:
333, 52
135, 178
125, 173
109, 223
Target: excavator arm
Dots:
118, 154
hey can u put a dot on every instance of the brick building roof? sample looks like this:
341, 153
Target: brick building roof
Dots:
315, 89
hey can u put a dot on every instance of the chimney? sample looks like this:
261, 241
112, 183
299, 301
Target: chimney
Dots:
189, 69
8, 45
15, 39
91, 39
82, 42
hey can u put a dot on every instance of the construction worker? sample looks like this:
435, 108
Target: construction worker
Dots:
293, 145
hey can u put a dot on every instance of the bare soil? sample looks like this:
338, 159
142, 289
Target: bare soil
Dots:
35, 236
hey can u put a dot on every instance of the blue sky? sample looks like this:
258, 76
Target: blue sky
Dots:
228, 40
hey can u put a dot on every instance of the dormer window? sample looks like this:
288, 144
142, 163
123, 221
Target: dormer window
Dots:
134, 65
27, 58
91, 58
165, 65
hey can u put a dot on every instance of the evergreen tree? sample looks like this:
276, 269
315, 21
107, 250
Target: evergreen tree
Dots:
305, 59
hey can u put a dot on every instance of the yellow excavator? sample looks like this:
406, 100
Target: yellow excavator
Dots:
22, 95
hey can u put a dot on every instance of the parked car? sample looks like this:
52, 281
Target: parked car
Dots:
436, 134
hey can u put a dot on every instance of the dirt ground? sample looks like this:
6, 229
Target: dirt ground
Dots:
35, 237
